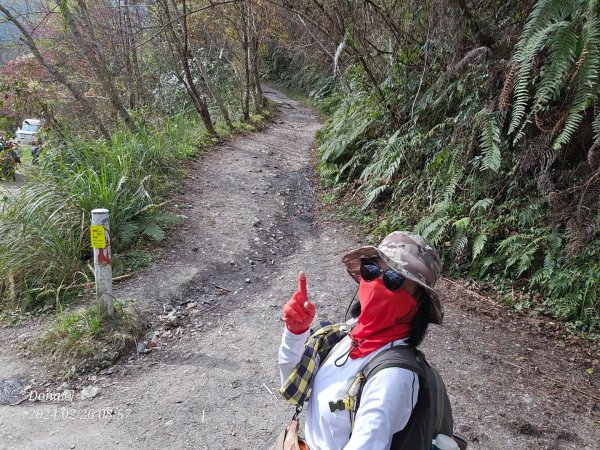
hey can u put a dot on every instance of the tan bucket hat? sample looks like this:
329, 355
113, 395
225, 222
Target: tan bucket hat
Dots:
409, 254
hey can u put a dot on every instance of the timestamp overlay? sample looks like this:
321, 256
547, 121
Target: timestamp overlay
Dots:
76, 414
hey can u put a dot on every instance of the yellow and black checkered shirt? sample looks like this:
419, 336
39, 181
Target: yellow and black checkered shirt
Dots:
296, 387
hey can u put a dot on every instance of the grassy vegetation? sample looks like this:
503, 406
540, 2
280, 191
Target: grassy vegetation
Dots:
44, 230
84, 340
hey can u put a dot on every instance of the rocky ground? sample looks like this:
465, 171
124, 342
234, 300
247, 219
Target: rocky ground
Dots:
206, 374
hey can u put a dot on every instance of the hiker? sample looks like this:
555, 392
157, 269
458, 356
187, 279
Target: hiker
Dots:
35, 151
396, 303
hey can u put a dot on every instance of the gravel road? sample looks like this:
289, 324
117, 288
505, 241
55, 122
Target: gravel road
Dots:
251, 223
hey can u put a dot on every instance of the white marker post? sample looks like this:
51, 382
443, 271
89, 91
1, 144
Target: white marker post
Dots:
100, 238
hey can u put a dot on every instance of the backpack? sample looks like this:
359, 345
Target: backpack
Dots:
432, 414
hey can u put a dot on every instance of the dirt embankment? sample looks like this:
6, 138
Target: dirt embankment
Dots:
251, 223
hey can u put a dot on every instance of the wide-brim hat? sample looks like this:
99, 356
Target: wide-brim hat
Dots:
410, 255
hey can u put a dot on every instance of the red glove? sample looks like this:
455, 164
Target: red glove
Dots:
299, 313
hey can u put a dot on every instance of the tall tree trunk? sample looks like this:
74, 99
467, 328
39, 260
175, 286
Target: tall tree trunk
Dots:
125, 42
246, 50
200, 105
238, 77
27, 39
198, 99
132, 60
259, 96
211, 90
179, 44
95, 59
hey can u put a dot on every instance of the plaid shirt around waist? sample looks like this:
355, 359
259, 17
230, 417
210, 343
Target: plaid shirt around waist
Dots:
295, 389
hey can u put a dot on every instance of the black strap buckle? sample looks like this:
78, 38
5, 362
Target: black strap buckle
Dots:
337, 406
298, 411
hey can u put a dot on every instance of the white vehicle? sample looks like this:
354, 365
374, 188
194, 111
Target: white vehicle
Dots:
29, 132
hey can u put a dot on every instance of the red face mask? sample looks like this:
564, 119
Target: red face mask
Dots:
385, 317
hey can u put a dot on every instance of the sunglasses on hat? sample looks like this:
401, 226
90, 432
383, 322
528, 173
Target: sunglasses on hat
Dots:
369, 270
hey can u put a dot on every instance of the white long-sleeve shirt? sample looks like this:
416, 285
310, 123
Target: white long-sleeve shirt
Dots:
386, 404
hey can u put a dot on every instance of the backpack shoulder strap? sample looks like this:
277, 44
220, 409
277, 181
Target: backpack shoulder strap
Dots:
403, 356
432, 413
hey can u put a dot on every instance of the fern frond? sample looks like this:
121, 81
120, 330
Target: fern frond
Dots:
523, 59
563, 47
596, 123
152, 230
511, 243
398, 192
539, 10
450, 189
565, 36
347, 170
128, 232
374, 194
459, 243
586, 80
462, 224
490, 144
479, 244
435, 230
481, 205
527, 256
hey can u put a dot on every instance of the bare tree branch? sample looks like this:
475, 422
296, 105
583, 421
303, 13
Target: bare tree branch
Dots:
27, 39
188, 13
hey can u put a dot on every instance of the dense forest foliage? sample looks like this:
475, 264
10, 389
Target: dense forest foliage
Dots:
470, 122
473, 124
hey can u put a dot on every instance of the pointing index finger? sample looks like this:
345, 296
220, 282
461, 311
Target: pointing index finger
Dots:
302, 283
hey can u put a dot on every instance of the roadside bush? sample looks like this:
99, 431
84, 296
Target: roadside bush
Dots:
7, 166
44, 230
85, 340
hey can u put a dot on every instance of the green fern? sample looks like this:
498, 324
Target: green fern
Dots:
490, 144
565, 37
374, 194
586, 81
459, 243
553, 249
129, 230
481, 205
562, 57
152, 230
399, 190
447, 196
479, 244
434, 231
523, 58
462, 224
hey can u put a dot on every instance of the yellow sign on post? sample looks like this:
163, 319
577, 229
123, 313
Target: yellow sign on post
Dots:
97, 236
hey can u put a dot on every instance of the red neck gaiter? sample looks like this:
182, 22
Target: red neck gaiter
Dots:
385, 317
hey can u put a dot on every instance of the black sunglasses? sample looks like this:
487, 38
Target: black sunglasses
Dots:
369, 270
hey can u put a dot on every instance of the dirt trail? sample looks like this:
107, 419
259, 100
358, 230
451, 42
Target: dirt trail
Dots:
10, 188
251, 223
